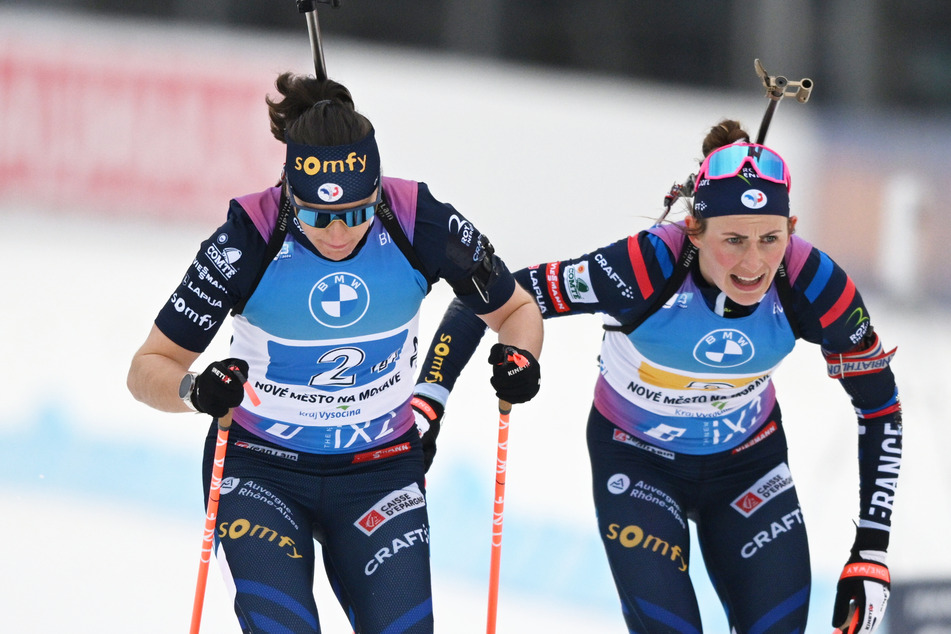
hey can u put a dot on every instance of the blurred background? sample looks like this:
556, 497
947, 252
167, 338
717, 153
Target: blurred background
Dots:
125, 128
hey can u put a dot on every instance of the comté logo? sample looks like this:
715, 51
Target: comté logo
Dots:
371, 521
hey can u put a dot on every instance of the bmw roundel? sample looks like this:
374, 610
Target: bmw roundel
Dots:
726, 348
339, 300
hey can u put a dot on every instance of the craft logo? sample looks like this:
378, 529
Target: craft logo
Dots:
578, 284
396, 503
339, 300
763, 490
753, 198
725, 348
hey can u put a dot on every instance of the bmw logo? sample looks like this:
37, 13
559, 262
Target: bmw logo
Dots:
725, 348
339, 300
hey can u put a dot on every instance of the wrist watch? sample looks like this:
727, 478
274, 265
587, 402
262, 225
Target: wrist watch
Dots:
186, 388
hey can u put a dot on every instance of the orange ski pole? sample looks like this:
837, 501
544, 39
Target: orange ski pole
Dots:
211, 515
500, 468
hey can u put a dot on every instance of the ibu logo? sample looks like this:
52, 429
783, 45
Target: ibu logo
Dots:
725, 348
339, 300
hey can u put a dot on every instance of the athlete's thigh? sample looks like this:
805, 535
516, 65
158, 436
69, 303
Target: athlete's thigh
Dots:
375, 535
264, 545
643, 526
754, 544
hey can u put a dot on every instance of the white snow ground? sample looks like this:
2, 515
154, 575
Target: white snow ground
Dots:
103, 513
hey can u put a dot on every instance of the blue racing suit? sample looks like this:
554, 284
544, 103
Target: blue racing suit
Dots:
685, 424
332, 451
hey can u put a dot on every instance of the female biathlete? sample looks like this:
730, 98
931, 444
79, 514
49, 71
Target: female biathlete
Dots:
685, 424
326, 273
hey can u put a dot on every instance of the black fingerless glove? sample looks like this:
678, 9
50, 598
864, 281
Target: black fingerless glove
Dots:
515, 373
220, 387
428, 414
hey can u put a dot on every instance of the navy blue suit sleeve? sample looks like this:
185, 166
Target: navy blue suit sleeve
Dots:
601, 281
620, 279
219, 276
450, 247
831, 313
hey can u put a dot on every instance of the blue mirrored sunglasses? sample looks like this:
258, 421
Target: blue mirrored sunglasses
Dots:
728, 161
321, 218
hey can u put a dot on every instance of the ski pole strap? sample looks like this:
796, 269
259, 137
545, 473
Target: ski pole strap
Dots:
867, 570
424, 407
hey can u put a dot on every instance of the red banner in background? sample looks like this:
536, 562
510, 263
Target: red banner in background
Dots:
124, 129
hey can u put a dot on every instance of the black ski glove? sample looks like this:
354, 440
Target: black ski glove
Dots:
515, 373
428, 415
219, 388
862, 593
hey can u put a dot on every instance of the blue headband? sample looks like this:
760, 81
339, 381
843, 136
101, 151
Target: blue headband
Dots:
740, 195
333, 174
742, 178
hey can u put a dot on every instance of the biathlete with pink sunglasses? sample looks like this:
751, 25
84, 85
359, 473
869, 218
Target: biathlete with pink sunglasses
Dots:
685, 425
325, 274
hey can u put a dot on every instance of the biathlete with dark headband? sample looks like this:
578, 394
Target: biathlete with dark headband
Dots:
685, 425
325, 274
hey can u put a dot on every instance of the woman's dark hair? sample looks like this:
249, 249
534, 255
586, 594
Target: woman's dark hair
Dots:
724, 133
315, 112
